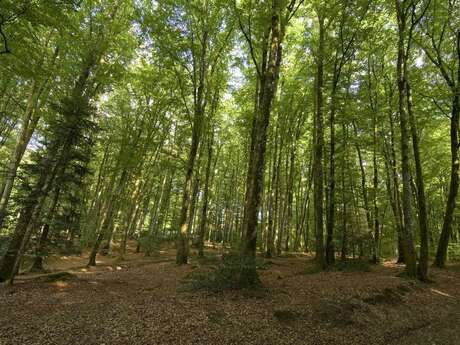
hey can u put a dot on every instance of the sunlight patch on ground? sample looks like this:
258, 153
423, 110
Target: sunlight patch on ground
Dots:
61, 284
440, 293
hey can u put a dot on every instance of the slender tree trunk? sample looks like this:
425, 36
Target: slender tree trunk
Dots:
409, 248
344, 248
395, 196
198, 119
183, 236
376, 251
364, 193
29, 122
204, 209
27, 221
130, 219
290, 195
37, 265
441, 253
108, 219
318, 150
446, 233
421, 199
330, 219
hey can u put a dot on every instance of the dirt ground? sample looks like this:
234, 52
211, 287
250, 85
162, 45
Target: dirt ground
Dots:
143, 301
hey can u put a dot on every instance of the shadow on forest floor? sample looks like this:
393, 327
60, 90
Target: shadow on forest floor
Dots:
142, 300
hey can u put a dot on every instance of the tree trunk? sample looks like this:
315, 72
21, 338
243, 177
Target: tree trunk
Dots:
197, 127
441, 253
29, 122
269, 79
37, 265
330, 218
204, 209
106, 226
401, 67
421, 199
318, 138
344, 248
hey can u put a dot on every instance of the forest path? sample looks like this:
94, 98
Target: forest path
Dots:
142, 302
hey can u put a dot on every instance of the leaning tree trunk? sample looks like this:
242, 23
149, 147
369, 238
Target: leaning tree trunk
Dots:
29, 122
37, 265
53, 164
29, 216
441, 253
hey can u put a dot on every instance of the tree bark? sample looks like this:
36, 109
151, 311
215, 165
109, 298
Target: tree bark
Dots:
401, 72
269, 79
422, 269
441, 252
318, 138
204, 209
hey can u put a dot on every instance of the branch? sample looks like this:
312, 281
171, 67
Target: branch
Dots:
247, 36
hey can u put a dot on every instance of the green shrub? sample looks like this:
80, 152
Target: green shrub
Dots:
453, 252
3, 245
351, 265
226, 274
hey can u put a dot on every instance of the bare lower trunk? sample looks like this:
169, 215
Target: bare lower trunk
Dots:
183, 235
42, 242
204, 209
441, 253
422, 269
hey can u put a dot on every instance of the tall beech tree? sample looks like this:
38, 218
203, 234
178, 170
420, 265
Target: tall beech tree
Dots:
267, 70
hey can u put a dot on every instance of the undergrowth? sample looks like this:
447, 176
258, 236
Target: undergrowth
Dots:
350, 265
220, 274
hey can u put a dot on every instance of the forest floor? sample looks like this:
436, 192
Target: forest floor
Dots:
146, 301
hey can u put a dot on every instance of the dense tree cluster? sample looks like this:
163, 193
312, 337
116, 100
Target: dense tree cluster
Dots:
263, 125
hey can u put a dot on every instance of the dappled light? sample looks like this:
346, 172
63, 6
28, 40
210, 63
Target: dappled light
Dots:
229, 172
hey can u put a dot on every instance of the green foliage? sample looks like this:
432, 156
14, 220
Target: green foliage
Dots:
226, 275
351, 265
453, 252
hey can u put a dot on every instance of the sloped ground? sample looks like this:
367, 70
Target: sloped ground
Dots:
143, 301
